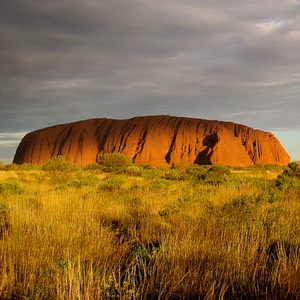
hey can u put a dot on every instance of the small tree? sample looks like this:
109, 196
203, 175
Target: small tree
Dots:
59, 169
58, 164
114, 162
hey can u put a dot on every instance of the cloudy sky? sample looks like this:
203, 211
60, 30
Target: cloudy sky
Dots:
68, 60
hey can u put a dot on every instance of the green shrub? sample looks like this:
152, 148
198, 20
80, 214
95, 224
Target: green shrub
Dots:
146, 167
216, 175
59, 170
159, 184
173, 175
290, 178
293, 170
176, 172
250, 212
133, 171
114, 162
9, 188
93, 166
148, 172
77, 184
59, 164
195, 172
112, 183
176, 207
243, 208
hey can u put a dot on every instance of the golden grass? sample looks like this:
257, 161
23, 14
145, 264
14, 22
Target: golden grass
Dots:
86, 236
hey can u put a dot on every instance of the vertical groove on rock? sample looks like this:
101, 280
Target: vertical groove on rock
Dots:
140, 144
171, 148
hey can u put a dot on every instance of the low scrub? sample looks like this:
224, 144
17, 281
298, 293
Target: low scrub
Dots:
114, 162
112, 183
216, 175
59, 170
195, 232
290, 178
10, 188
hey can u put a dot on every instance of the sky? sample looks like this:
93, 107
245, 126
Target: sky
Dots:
228, 60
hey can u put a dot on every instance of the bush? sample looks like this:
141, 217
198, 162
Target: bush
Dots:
159, 184
112, 183
59, 164
59, 169
93, 167
176, 172
148, 172
114, 162
216, 175
10, 188
250, 211
195, 172
293, 170
133, 171
173, 175
290, 178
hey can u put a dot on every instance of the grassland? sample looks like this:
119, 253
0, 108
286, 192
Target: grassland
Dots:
141, 233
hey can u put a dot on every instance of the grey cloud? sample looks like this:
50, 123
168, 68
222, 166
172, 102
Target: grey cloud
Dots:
67, 60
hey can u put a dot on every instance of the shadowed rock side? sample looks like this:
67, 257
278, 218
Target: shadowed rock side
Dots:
155, 140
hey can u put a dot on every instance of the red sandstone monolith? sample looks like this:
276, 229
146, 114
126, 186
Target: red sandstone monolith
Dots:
154, 140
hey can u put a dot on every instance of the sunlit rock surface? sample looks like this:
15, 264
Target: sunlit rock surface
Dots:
154, 140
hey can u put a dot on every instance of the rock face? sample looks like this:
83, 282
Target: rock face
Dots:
154, 140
